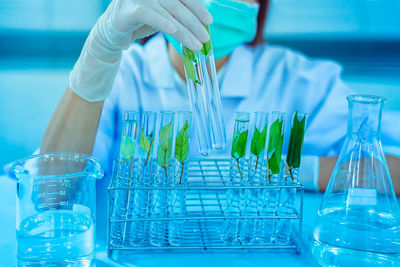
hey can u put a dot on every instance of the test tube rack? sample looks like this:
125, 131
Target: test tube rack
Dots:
205, 215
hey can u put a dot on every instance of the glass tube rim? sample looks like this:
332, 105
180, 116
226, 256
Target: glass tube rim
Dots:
301, 114
149, 112
281, 113
261, 112
167, 112
184, 112
134, 114
242, 113
366, 99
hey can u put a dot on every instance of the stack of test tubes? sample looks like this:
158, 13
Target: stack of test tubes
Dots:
270, 173
146, 171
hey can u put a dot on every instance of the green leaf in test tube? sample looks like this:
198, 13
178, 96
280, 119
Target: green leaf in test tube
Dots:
239, 147
189, 57
206, 49
146, 143
258, 142
182, 144
295, 143
275, 147
127, 148
164, 151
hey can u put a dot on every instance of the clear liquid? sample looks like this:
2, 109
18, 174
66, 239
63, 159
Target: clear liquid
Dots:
356, 235
56, 237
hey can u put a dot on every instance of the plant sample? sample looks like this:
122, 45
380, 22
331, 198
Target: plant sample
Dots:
164, 150
182, 147
295, 143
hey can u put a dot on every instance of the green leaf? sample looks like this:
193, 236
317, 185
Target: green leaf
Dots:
164, 149
239, 144
296, 139
144, 142
205, 50
275, 144
182, 144
127, 148
258, 141
189, 58
253, 147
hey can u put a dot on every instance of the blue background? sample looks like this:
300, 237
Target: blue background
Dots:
40, 41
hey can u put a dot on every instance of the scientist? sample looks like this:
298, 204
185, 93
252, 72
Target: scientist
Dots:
113, 74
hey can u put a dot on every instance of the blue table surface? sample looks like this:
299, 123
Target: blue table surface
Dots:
270, 258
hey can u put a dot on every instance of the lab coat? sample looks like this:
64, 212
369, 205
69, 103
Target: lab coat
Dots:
266, 78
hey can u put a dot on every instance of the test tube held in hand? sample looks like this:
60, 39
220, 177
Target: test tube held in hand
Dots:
198, 100
211, 88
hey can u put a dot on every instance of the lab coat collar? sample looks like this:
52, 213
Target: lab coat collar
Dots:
158, 70
237, 79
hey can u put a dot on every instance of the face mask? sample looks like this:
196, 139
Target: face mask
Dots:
235, 23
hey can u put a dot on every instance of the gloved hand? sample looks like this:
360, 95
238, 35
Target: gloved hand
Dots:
124, 21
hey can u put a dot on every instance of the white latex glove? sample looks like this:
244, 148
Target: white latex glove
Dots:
124, 21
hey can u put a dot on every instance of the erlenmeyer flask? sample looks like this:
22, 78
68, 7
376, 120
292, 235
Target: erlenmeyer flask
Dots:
358, 223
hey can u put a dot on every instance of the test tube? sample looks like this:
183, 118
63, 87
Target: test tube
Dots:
142, 196
295, 147
158, 228
257, 147
128, 142
237, 177
211, 88
198, 100
256, 170
177, 198
275, 145
127, 161
271, 196
287, 197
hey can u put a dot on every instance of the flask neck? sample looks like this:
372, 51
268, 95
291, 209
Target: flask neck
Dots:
365, 114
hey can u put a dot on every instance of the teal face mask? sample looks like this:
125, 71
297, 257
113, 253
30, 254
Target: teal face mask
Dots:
235, 23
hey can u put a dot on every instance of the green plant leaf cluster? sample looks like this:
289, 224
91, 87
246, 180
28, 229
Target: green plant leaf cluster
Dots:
275, 144
239, 144
258, 141
127, 147
296, 142
206, 49
182, 144
189, 57
164, 149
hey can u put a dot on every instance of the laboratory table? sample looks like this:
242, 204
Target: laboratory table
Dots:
203, 259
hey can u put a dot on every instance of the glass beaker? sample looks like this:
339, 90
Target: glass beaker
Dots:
56, 206
358, 221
